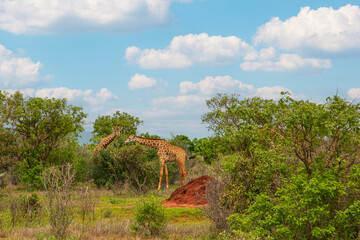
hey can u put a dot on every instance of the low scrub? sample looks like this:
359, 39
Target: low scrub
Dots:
150, 217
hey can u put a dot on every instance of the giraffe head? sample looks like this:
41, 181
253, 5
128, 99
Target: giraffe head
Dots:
117, 130
131, 138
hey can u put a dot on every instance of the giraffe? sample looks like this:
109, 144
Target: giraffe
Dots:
166, 153
107, 140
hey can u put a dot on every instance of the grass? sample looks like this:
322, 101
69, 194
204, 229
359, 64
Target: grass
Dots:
112, 219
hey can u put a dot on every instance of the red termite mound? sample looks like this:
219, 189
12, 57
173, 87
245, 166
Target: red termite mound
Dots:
190, 195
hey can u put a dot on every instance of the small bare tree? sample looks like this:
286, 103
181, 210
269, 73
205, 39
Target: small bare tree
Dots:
215, 211
86, 204
58, 182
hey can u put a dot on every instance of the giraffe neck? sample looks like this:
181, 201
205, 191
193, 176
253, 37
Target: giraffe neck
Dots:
153, 143
109, 139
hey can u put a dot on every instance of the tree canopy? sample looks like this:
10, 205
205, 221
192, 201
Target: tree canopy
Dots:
289, 160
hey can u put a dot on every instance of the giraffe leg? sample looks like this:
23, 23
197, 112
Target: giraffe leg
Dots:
161, 173
181, 174
181, 165
184, 174
166, 175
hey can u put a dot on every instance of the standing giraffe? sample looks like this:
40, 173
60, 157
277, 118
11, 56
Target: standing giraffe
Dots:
166, 153
107, 140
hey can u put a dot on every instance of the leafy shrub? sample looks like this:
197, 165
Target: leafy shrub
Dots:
319, 206
150, 217
107, 213
25, 207
139, 167
30, 206
106, 171
293, 171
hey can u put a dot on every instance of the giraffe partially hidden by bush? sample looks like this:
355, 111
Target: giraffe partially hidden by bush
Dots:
166, 153
107, 140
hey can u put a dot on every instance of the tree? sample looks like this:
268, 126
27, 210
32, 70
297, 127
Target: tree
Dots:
10, 150
138, 169
42, 125
10, 108
104, 125
183, 142
207, 147
292, 171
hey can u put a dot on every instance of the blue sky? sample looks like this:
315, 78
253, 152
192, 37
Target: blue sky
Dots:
160, 60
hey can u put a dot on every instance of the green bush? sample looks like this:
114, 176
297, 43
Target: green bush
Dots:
106, 171
150, 217
25, 207
293, 171
320, 206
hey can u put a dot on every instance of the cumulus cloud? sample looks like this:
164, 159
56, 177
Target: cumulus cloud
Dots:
16, 72
275, 92
62, 92
189, 50
325, 30
354, 93
100, 97
210, 85
141, 81
66, 16
180, 101
73, 95
283, 62
28, 92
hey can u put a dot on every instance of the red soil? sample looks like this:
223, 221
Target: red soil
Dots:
190, 195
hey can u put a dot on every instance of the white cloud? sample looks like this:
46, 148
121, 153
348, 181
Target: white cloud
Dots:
210, 85
275, 92
28, 92
161, 113
354, 93
141, 81
186, 101
62, 92
284, 62
75, 95
17, 71
55, 16
262, 55
325, 29
189, 50
100, 97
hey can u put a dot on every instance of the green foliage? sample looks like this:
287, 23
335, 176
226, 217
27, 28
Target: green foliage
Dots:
29, 171
10, 149
150, 217
183, 142
10, 107
206, 147
138, 169
30, 206
318, 207
69, 151
291, 167
43, 125
106, 171
104, 125
26, 208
